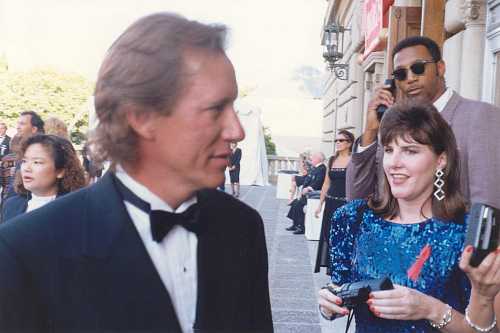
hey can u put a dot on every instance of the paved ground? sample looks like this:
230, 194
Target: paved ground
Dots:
293, 284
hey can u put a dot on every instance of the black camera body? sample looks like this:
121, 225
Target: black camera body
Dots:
356, 293
482, 231
392, 89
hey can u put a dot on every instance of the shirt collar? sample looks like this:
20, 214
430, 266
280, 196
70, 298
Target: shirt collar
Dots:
145, 194
38, 198
441, 102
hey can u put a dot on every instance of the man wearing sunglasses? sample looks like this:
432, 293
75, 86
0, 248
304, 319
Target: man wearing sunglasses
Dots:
419, 73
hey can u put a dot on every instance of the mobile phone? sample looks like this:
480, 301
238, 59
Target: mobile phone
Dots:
482, 231
391, 87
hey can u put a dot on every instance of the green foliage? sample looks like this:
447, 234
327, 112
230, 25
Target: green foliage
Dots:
270, 146
48, 92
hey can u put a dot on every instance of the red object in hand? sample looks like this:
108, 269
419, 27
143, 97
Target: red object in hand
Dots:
416, 268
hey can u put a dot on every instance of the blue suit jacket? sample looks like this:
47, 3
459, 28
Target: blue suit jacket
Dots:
14, 206
78, 264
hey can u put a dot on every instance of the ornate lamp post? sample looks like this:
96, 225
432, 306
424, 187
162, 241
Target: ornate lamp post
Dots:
334, 42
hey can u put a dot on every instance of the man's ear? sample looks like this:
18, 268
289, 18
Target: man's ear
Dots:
441, 68
34, 130
141, 121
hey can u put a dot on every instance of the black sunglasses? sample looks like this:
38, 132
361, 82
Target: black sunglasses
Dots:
341, 140
417, 68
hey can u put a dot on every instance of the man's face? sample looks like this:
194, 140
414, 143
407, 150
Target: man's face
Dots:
24, 127
192, 143
430, 84
3, 129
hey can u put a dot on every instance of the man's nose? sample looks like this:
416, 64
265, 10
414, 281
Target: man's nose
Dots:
233, 130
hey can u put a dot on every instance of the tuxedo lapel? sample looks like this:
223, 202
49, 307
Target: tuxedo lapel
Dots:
216, 303
121, 270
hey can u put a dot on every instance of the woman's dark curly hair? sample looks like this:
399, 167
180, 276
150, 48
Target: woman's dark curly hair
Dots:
64, 157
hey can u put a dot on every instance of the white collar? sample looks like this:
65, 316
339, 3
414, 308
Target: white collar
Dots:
145, 194
41, 199
441, 102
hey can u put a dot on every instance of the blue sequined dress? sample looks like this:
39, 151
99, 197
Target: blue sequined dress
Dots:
376, 248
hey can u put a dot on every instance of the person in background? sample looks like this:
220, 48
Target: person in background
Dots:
333, 194
234, 169
413, 233
92, 169
4, 140
304, 166
28, 124
312, 182
152, 246
49, 168
56, 126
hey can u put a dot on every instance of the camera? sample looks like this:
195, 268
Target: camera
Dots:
356, 293
482, 231
392, 89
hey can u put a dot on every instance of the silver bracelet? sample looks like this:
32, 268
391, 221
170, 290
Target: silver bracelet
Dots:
479, 328
445, 320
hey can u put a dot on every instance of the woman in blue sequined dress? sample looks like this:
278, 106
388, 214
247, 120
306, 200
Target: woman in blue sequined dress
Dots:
412, 237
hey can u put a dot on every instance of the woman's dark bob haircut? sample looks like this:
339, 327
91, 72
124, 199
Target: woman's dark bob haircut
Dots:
421, 122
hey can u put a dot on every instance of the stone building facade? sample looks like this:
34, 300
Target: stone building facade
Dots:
467, 30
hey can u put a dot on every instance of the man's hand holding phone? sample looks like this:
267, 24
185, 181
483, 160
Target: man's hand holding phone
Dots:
383, 96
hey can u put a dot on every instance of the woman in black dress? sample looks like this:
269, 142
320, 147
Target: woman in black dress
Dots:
234, 169
333, 193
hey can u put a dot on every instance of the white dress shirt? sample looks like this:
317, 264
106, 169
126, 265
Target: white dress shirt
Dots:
439, 104
175, 257
37, 202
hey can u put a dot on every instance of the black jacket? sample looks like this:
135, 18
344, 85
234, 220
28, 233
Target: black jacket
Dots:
4, 146
14, 206
79, 264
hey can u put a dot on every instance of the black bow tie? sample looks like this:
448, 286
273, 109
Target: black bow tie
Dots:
162, 221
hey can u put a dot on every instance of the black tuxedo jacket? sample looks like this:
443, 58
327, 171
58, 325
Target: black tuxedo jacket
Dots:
78, 264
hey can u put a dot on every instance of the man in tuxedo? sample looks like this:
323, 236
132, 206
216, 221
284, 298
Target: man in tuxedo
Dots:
312, 182
419, 73
4, 140
152, 246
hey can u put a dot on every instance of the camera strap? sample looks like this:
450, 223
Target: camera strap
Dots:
349, 320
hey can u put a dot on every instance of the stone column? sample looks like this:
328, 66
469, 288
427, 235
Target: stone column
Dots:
474, 17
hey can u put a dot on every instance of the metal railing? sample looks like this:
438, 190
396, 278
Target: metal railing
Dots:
277, 163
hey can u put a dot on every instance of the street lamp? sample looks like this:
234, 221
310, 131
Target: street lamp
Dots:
334, 41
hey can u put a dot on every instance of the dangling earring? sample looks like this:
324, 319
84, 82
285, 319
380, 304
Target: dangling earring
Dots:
439, 183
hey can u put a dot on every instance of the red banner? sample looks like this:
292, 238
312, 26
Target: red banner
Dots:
375, 18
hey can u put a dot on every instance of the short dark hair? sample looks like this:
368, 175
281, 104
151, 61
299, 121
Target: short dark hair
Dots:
145, 67
36, 120
428, 43
421, 122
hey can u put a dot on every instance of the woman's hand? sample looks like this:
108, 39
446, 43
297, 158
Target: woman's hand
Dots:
403, 303
317, 212
329, 304
485, 279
